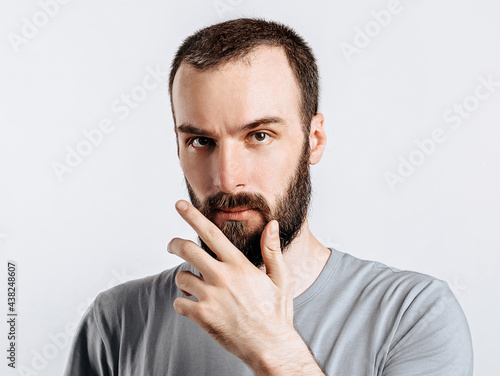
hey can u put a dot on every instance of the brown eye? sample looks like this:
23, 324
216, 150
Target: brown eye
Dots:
260, 136
200, 142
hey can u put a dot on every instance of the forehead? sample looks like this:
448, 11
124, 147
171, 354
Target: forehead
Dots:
262, 84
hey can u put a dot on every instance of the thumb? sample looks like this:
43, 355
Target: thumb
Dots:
271, 253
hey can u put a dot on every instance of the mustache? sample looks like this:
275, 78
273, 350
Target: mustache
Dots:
224, 200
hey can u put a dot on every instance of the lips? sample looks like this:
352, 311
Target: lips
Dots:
235, 210
234, 214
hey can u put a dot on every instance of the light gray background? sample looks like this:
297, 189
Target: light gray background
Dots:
109, 220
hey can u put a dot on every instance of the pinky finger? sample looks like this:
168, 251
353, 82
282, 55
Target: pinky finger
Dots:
184, 306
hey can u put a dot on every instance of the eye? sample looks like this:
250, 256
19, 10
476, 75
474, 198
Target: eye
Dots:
260, 137
200, 142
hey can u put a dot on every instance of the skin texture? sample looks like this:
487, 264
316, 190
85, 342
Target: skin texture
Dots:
223, 146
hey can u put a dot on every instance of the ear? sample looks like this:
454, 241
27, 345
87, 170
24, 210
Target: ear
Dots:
317, 138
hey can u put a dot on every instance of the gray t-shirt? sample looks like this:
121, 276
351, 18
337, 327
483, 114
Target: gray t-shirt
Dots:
359, 318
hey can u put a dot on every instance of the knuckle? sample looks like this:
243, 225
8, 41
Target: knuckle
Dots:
180, 278
204, 312
220, 280
179, 307
212, 234
223, 277
187, 247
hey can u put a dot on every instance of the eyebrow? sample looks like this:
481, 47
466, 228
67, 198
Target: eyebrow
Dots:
191, 129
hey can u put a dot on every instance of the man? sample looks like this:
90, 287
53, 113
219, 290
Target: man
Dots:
260, 294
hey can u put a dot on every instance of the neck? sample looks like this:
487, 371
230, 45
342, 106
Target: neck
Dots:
305, 258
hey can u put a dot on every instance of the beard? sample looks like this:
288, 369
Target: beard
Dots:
290, 212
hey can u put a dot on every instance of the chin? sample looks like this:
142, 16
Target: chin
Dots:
241, 229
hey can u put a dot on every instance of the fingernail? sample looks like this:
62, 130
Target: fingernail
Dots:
273, 231
181, 205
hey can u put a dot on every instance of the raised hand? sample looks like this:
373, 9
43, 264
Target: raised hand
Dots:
247, 311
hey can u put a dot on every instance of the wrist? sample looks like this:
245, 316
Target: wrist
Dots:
288, 356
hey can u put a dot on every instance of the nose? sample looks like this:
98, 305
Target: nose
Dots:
229, 168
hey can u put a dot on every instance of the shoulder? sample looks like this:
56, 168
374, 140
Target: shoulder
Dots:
119, 317
426, 326
408, 296
135, 296
378, 277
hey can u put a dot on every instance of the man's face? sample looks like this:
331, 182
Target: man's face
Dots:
242, 147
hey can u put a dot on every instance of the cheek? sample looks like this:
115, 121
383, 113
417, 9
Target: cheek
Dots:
195, 173
275, 172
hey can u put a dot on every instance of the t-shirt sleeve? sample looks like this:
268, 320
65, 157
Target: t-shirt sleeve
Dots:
432, 337
89, 355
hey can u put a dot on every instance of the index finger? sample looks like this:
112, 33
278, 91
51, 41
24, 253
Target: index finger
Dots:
208, 232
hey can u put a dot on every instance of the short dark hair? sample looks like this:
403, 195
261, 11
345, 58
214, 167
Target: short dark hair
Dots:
233, 40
